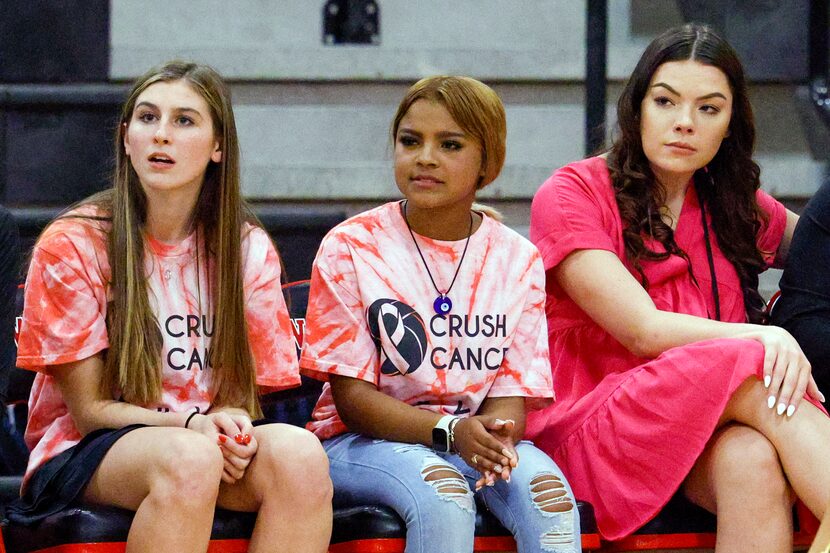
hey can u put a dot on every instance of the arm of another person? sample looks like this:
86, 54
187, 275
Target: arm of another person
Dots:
784, 247
599, 283
804, 306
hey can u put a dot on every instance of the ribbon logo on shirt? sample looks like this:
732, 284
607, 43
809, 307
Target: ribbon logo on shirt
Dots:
400, 333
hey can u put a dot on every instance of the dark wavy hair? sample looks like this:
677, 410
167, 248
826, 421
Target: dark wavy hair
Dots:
726, 187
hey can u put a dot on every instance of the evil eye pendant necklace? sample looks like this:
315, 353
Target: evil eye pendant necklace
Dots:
442, 304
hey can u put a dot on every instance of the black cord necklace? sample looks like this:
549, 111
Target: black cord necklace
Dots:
709, 255
442, 304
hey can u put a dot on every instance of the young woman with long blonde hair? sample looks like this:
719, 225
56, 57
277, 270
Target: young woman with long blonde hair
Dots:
153, 312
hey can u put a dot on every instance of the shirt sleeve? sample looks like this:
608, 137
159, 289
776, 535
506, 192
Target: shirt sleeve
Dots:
270, 333
772, 231
569, 213
64, 313
525, 370
337, 338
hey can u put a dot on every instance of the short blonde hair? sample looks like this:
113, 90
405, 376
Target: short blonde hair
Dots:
476, 108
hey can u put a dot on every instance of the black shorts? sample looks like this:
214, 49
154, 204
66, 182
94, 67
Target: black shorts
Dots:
60, 481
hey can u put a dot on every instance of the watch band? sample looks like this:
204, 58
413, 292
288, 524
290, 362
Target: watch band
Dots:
441, 437
453, 422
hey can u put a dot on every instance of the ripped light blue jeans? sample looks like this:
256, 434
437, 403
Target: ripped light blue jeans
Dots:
432, 493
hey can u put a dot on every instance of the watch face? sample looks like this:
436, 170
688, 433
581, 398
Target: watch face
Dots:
440, 440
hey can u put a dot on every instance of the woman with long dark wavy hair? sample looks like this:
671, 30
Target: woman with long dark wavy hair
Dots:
153, 313
667, 378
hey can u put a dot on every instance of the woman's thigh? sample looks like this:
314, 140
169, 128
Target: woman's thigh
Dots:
406, 477
731, 465
537, 504
146, 456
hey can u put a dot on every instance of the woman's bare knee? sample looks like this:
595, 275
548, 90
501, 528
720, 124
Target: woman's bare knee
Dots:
296, 459
188, 467
741, 464
745, 458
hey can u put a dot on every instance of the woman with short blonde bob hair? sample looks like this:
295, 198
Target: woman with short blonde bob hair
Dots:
426, 317
153, 311
474, 106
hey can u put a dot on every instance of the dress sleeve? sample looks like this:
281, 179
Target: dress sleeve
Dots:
64, 313
269, 327
525, 370
337, 338
569, 212
771, 231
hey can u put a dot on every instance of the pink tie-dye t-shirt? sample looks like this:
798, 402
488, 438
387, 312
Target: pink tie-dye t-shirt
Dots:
64, 320
370, 316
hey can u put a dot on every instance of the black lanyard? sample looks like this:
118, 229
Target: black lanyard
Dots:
711, 258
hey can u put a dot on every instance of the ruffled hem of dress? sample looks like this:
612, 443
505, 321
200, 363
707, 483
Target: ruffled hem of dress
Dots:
653, 427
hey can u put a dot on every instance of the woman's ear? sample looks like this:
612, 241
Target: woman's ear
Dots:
216, 156
126, 139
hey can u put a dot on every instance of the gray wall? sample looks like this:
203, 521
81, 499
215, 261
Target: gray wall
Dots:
313, 118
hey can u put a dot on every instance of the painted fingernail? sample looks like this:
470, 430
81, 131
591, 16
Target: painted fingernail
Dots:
222, 438
771, 402
246, 439
821, 396
499, 421
790, 410
507, 479
781, 408
491, 483
497, 468
238, 438
767, 380
507, 453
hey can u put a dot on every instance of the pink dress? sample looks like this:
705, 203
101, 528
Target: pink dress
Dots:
627, 430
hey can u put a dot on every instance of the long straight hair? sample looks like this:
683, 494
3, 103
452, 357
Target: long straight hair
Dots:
727, 186
133, 361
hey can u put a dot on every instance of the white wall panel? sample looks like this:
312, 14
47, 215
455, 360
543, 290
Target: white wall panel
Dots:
282, 39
